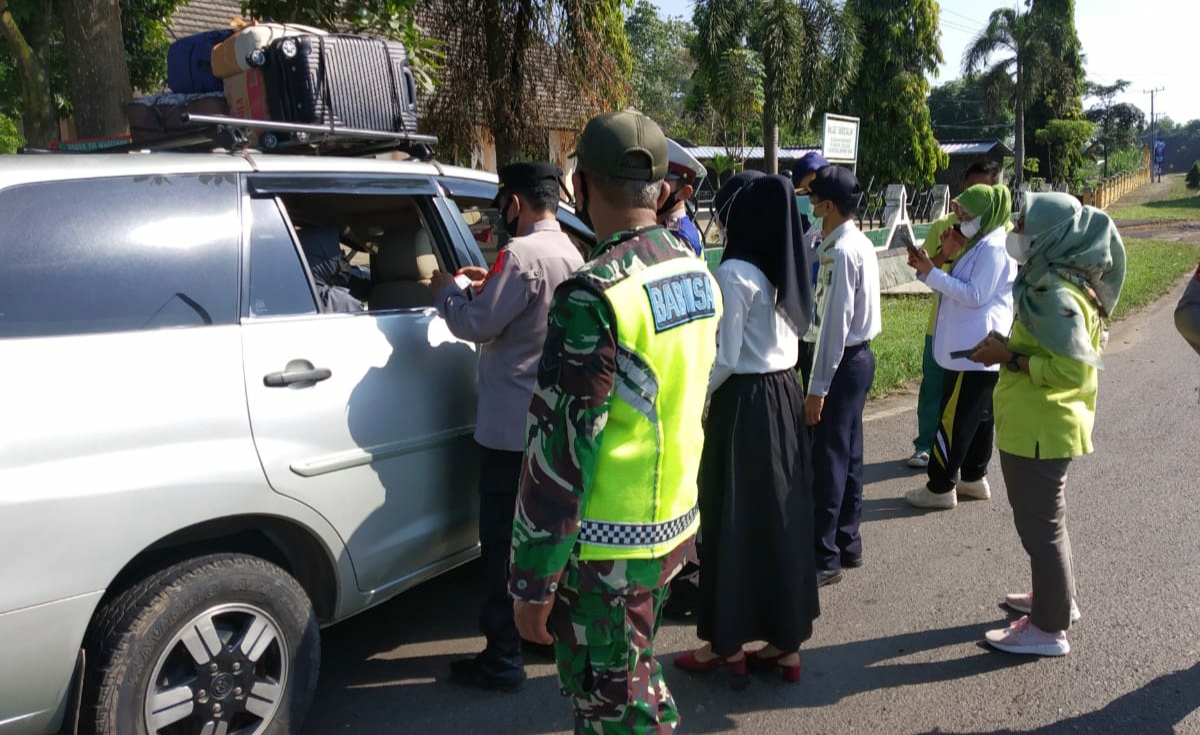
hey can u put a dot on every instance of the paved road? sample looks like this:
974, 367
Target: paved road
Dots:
897, 649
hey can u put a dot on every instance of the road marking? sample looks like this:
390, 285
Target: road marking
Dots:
889, 413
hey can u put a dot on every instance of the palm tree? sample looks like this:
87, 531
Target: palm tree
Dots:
809, 51
1027, 66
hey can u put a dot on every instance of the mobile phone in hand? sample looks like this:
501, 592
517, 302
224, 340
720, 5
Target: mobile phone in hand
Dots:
962, 354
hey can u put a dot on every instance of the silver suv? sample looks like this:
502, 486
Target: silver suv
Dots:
201, 461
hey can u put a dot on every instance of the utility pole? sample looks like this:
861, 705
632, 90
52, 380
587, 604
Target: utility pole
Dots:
1153, 132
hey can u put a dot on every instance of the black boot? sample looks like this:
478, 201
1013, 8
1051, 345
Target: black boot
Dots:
488, 672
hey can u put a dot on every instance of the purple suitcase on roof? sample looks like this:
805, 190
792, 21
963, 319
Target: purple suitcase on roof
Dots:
348, 81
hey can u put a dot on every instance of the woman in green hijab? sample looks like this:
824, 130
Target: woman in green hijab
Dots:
974, 299
1072, 269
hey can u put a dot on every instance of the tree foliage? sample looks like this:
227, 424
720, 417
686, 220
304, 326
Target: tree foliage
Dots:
896, 142
1019, 64
1066, 142
959, 110
662, 66
515, 61
809, 50
36, 88
1061, 95
10, 138
1119, 124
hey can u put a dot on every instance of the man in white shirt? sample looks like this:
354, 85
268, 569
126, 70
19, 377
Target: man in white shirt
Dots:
848, 318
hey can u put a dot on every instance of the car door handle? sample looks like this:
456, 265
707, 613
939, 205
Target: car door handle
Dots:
282, 380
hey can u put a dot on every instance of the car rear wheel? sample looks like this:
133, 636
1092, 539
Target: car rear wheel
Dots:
217, 645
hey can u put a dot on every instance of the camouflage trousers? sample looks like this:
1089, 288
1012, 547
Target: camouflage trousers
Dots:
604, 645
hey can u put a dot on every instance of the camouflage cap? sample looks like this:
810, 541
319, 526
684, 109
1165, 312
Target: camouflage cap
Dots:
623, 145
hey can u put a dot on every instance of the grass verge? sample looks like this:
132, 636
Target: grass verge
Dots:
1153, 267
1180, 204
899, 347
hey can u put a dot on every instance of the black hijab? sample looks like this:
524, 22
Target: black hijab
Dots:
762, 227
730, 188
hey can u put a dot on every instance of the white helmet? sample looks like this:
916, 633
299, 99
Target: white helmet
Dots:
683, 165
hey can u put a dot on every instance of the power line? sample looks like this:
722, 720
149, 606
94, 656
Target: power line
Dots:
974, 21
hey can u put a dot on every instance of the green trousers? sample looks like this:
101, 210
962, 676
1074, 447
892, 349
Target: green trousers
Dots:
929, 400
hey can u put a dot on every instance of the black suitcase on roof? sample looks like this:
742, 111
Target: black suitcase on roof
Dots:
347, 81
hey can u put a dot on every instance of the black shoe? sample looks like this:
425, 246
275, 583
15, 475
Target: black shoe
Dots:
682, 602
538, 650
478, 674
829, 576
852, 562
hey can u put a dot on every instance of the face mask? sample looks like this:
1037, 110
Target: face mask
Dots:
511, 225
1018, 247
970, 229
581, 205
671, 203
804, 204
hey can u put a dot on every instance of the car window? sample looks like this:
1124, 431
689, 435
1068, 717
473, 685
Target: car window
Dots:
278, 284
487, 225
121, 254
366, 251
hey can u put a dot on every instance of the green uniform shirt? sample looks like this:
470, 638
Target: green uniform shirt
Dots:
1049, 413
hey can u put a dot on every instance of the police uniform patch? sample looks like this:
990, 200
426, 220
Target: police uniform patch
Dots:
677, 300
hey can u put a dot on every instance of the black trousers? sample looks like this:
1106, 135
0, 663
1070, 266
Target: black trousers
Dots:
965, 433
499, 480
838, 460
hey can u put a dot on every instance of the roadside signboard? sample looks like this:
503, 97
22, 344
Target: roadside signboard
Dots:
839, 141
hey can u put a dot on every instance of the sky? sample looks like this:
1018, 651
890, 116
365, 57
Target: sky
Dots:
1150, 43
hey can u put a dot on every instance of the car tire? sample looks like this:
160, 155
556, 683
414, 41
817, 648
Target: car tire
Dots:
216, 644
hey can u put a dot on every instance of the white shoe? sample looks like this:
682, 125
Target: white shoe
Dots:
919, 460
1025, 637
978, 490
923, 498
1022, 602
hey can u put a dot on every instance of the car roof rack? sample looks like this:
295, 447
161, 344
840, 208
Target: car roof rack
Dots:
220, 132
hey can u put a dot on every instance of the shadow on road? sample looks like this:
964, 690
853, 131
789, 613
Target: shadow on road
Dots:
886, 509
1155, 709
891, 469
833, 673
385, 671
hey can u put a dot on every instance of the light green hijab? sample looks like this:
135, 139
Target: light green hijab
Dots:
992, 204
1074, 243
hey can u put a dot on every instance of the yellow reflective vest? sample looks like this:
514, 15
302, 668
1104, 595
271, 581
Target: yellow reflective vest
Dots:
643, 501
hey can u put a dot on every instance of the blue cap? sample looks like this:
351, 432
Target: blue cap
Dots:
836, 184
808, 163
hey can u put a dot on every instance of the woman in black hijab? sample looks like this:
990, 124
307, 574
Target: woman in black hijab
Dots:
755, 476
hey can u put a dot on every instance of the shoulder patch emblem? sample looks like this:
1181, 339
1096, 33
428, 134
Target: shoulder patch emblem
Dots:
678, 300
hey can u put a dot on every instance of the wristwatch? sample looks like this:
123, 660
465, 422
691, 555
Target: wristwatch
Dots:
1012, 363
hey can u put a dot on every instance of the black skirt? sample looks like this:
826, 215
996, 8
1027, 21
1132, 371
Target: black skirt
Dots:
758, 578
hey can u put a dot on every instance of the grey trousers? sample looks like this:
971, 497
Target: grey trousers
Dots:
1037, 493
1187, 314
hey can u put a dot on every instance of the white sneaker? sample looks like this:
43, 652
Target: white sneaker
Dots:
978, 490
1025, 637
1022, 602
919, 460
923, 498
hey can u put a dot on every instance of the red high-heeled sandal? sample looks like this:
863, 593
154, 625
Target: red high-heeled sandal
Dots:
790, 674
689, 662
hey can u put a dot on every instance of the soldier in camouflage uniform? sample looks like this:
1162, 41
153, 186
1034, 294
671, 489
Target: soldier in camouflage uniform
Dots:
588, 571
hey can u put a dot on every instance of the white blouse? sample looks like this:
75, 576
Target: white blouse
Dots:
753, 338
